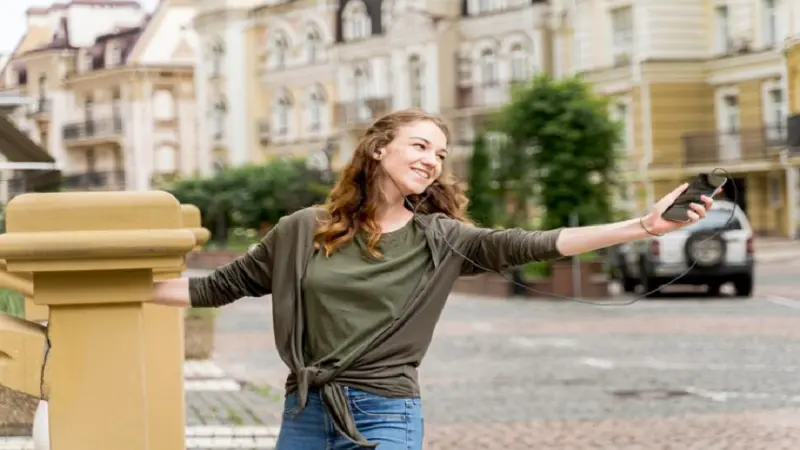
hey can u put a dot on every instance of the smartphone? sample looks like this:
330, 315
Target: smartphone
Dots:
702, 184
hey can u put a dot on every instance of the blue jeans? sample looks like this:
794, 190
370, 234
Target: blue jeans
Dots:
393, 423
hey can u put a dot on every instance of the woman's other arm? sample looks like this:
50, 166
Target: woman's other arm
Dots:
250, 275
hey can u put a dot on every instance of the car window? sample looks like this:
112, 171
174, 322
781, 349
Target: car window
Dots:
716, 219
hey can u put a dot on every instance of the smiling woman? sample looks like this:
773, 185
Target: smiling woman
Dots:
359, 284
401, 156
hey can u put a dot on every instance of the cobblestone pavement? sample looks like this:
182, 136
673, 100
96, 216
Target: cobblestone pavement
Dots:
673, 373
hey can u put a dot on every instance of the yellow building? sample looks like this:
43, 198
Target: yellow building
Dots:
265, 80
293, 88
111, 91
699, 85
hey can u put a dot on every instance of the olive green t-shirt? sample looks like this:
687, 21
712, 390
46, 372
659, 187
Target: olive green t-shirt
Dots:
386, 366
351, 297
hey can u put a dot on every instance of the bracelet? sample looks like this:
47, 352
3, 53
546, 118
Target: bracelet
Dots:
641, 222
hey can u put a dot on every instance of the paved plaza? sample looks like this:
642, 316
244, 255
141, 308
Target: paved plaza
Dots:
677, 372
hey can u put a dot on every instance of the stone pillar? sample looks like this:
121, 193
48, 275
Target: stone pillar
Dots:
164, 347
93, 256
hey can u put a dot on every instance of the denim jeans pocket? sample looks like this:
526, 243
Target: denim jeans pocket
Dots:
375, 406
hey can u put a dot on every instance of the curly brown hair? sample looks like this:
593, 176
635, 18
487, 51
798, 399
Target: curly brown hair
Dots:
354, 201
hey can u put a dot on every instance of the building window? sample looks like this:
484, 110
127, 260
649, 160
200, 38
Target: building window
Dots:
116, 104
114, 57
416, 81
774, 114
519, 63
488, 67
218, 117
88, 109
730, 105
314, 46
483, 6
316, 109
283, 113
356, 21
621, 114
387, 13
87, 61
464, 64
42, 88
622, 34
280, 50
163, 105
216, 54
361, 93
166, 159
776, 106
770, 25
722, 32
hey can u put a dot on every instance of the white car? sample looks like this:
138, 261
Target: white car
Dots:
718, 259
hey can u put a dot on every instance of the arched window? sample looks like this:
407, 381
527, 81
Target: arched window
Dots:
519, 62
316, 109
314, 47
488, 67
279, 50
282, 113
361, 92
355, 20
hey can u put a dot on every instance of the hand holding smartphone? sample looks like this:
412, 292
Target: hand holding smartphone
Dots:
702, 184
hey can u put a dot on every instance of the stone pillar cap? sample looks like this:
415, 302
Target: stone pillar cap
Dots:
82, 231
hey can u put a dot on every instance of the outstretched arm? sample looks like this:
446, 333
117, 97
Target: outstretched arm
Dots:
573, 241
498, 250
250, 275
577, 240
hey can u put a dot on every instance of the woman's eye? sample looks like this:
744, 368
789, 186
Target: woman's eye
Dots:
419, 146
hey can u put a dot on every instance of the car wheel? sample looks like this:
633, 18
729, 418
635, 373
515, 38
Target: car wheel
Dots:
648, 283
744, 285
714, 289
629, 284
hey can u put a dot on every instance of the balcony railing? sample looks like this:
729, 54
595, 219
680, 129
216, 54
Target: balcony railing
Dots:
90, 129
751, 145
496, 93
362, 113
93, 181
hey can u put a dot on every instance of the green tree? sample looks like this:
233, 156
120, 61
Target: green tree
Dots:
252, 196
277, 189
560, 149
481, 192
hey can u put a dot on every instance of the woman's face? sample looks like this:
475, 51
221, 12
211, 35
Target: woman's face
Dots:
414, 159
